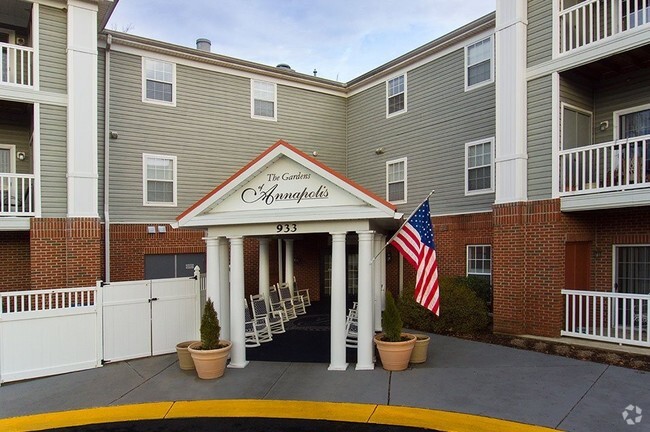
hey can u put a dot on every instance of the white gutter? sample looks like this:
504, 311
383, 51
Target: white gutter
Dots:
107, 137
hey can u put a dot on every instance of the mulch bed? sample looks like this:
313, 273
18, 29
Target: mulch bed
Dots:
579, 352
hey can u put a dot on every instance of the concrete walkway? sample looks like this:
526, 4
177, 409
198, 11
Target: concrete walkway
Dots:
460, 376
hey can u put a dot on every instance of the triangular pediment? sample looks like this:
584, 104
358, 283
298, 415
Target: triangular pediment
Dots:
281, 184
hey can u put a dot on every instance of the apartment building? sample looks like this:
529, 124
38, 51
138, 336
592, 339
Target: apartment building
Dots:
532, 124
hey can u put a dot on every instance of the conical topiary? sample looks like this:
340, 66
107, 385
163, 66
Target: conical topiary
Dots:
391, 322
210, 329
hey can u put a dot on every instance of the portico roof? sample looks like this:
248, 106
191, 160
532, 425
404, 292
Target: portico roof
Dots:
284, 184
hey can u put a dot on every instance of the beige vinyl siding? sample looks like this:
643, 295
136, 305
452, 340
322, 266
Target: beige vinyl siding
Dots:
53, 161
210, 131
539, 138
441, 118
53, 49
540, 31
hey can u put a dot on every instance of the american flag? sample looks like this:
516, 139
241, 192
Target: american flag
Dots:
415, 242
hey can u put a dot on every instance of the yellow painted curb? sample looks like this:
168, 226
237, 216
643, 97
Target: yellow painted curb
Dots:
447, 421
87, 416
288, 409
351, 412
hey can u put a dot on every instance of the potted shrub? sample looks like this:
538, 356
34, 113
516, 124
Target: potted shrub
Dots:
210, 354
394, 346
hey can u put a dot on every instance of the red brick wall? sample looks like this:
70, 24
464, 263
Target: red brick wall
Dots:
65, 252
130, 243
14, 261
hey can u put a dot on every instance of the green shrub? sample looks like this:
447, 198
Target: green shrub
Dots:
461, 310
210, 329
391, 322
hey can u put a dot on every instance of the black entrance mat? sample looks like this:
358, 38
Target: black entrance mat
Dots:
306, 340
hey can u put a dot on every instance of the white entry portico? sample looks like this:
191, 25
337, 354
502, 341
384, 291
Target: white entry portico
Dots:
281, 194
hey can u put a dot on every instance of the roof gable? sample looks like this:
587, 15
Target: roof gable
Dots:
283, 183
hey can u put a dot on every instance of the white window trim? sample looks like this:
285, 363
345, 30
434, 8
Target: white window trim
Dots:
564, 105
619, 113
275, 101
144, 83
467, 273
492, 167
492, 59
402, 111
391, 162
146, 203
12, 156
615, 256
10, 33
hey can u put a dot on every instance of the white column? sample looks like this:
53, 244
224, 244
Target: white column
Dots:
280, 266
224, 288
213, 277
511, 111
264, 269
288, 263
338, 314
378, 282
238, 351
82, 109
365, 307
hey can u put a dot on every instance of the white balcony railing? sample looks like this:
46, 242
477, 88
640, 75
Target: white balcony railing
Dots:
16, 197
607, 316
612, 166
591, 21
16, 65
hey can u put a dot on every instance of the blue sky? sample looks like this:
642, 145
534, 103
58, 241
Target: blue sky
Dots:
341, 39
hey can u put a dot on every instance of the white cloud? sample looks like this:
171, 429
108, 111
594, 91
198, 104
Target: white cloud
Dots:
337, 37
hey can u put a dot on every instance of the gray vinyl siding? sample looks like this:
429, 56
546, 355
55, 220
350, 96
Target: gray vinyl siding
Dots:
579, 94
18, 135
53, 161
441, 117
53, 49
623, 92
210, 131
100, 132
539, 138
540, 31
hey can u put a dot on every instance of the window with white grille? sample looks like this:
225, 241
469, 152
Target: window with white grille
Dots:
263, 100
159, 180
396, 95
158, 81
396, 181
478, 64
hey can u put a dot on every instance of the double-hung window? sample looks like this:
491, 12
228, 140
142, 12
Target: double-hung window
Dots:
158, 82
396, 181
479, 261
396, 95
479, 167
263, 100
159, 180
479, 66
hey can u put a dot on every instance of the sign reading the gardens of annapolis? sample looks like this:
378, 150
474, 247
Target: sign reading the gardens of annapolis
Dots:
285, 187
286, 184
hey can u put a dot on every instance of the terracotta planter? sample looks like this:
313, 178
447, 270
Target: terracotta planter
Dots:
210, 364
395, 356
419, 354
185, 361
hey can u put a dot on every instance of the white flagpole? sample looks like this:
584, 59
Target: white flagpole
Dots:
402, 226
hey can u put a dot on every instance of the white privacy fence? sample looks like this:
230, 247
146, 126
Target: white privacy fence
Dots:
594, 20
607, 316
46, 332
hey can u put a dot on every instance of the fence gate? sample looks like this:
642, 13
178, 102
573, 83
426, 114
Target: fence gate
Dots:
149, 317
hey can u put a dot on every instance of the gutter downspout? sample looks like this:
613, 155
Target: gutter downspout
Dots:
107, 137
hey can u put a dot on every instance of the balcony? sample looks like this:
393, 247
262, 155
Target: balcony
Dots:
16, 65
608, 167
593, 21
16, 195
